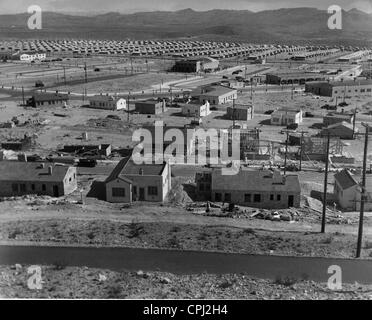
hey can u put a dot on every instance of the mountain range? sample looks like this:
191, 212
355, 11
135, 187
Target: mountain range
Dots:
294, 25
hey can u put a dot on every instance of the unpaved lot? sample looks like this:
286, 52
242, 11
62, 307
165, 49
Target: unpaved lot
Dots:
84, 283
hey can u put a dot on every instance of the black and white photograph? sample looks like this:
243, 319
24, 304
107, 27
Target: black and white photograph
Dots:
168, 151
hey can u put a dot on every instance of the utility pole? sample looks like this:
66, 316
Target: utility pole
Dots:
85, 71
325, 185
64, 74
286, 152
128, 110
354, 122
23, 96
302, 148
233, 113
363, 193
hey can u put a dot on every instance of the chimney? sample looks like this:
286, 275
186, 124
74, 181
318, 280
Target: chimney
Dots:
277, 177
50, 170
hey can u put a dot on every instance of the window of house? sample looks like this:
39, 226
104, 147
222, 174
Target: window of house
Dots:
278, 197
153, 191
118, 192
271, 197
247, 197
227, 197
257, 198
218, 197
15, 187
23, 187
43, 187
201, 187
33, 187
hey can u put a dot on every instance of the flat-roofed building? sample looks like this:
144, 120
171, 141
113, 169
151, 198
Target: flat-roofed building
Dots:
253, 188
340, 89
131, 182
240, 112
215, 95
151, 106
286, 116
23, 178
196, 109
294, 78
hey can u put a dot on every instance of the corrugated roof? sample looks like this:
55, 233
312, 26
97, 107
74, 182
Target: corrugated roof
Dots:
50, 96
27, 171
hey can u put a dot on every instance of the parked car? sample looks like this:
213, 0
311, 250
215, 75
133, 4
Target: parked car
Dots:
39, 84
292, 126
87, 163
113, 117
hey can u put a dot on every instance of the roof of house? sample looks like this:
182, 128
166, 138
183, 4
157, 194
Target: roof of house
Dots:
296, 74
340, 115
240, 106
126, 167
148, 102
104, 98
362, 82
286, 110
255, 180
216, 90
343, 124
49, 96
345, 179
33, 172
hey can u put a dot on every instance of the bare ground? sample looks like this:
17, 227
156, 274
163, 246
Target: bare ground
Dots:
84, 283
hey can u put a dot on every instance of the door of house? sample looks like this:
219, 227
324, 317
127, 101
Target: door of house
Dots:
134, 193
141, 194
290, 201
55, 191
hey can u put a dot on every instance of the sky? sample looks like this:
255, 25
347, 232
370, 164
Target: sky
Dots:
131, 6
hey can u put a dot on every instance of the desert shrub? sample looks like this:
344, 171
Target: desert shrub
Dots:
249, 231
135, 230
114, 291
59, 265
327, 240
368, 245
13, 234
285, 281
173, 242
91, 235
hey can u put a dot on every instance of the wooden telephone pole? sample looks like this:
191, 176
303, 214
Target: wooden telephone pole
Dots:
302, 147
325, 186
363, 197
